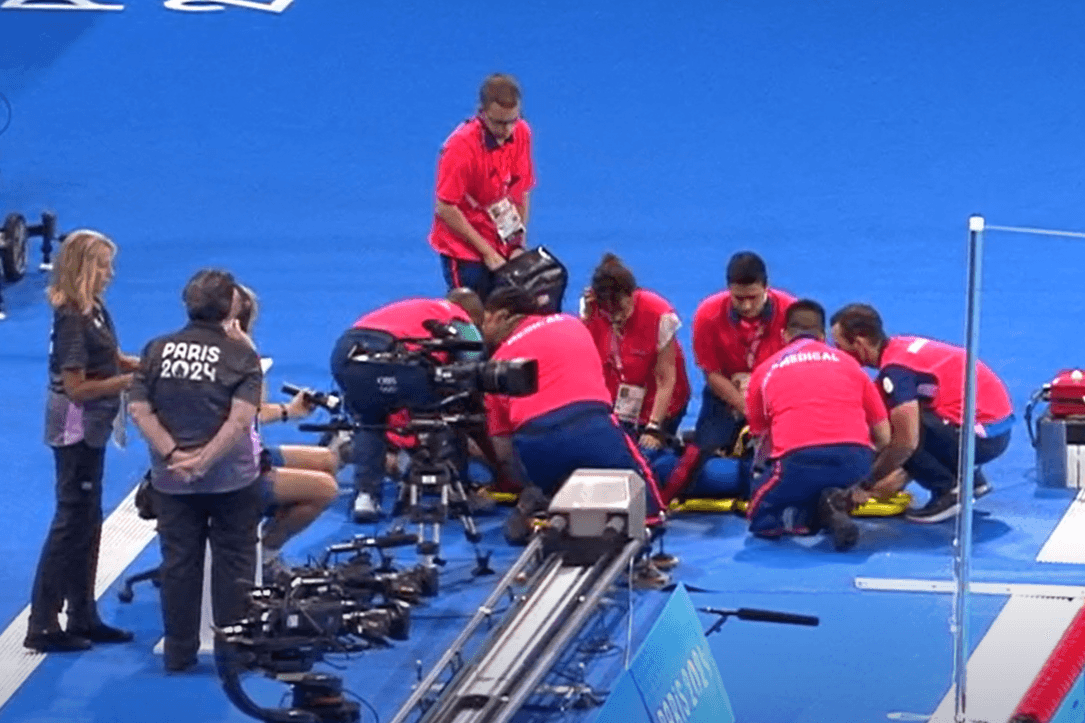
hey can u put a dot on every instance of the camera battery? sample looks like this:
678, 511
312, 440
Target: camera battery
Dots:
1060, 451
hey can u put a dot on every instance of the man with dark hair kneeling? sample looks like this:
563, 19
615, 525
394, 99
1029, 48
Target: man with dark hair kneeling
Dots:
542, 438
922, 382
818, 418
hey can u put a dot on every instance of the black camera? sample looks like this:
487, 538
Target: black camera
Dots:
309, 612
512, 377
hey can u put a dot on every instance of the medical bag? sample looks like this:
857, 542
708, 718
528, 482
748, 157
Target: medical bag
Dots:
1066, 394
1059, 433
540, 274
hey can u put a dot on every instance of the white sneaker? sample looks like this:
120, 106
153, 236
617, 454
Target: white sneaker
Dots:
366, 508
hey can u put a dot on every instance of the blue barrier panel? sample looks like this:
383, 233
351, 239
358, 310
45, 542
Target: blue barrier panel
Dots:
674, 674
624, 704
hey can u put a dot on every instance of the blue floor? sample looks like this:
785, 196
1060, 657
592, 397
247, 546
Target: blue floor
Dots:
846, 143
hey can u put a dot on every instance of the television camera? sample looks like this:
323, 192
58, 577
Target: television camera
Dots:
437, 431
337, 605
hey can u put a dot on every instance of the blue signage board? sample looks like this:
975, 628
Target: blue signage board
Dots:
673, 676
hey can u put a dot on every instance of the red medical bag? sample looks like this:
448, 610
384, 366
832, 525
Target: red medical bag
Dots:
1066, 393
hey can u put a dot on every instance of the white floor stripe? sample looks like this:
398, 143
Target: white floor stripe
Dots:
1027, 629
1004, 664
1065, 544
124, 535
1064, 592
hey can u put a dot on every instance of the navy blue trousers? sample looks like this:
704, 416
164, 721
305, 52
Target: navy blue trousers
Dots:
786, 492
934, 463
371, 391
579, 435
469, 275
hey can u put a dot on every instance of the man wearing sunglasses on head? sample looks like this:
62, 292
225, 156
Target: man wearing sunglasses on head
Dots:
484, 177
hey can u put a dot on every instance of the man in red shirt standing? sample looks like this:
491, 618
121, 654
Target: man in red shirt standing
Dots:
484, 178
818, 418
922, 381
733, 332
566, 425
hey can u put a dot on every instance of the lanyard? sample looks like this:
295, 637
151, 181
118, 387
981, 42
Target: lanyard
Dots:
753, 343
615, 357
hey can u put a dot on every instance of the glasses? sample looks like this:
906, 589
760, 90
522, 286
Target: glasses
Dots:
500, 123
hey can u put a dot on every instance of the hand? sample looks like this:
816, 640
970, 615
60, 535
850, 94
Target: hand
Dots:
233, 330
126, 381
741, 382
517, 250
186, 465
493, 260
860, 496
299, 406
650, 441
587, 303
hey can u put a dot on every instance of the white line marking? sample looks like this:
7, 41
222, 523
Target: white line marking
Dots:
1022, 637
1011, 654
1065, 544
1064, 592
124, 535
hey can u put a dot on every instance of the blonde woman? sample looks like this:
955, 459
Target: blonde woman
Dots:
87, 373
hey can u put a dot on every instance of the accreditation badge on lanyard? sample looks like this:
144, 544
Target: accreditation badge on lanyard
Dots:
506, 218
630, 397
628, 402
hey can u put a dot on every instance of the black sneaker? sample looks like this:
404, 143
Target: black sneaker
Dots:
56, 641
519, 524
102, 633
938, 509
946, 505
834, 513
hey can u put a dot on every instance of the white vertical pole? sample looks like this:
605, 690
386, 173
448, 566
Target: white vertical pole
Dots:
966, 468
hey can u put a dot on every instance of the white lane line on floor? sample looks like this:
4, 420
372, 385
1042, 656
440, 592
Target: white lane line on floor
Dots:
124, 535
1011, 654
1022, 636
977, 588
1066, 542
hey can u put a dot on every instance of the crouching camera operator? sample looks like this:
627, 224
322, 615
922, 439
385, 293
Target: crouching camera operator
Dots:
194, 398
542, 438
376, 386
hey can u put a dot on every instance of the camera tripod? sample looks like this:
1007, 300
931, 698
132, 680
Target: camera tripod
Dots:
432, 487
